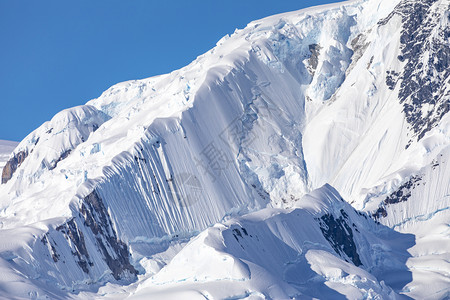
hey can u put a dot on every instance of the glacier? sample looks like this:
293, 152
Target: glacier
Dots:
305, 156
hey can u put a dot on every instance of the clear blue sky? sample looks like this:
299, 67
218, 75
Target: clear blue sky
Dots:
59, 54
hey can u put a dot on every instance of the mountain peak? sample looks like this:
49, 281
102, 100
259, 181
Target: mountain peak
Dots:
307, 150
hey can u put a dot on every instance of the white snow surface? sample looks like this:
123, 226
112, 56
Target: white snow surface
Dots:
255, 134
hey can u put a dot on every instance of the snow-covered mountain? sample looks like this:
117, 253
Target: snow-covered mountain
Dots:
304, 156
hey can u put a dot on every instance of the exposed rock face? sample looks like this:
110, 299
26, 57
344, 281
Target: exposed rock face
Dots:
51, 247
359, 45
115, 252
90, 238
12, 165
75, 235
340, 236
402, 194
313, 60
63, 156
424, 88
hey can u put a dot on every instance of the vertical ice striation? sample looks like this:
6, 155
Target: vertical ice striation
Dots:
246, 148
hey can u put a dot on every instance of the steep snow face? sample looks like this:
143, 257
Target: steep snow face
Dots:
313, 250
278, 109
367, 136
420, 204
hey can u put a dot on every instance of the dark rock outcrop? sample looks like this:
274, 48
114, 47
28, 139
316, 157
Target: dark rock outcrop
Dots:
12, 165
425, 77
51, 245
114, 251
402, 194
340, 236
313, 60
63, 155
90, 233
79, 250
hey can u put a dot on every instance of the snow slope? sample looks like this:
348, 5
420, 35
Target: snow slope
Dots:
282, 254
139, 191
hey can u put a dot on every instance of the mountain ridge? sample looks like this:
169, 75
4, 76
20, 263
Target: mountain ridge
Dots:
274, 112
